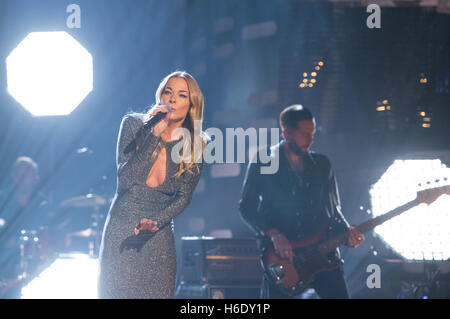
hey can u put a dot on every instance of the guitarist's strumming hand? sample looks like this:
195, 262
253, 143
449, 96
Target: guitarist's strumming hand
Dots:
355, 237
281, 245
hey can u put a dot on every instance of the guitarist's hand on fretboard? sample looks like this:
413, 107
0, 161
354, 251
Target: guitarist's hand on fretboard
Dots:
355, 237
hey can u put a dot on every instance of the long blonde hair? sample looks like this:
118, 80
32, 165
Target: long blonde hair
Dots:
194, 115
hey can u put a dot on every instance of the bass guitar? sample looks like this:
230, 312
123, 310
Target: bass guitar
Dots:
312, 255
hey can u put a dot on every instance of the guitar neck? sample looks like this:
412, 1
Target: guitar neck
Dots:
372, 223
341, 239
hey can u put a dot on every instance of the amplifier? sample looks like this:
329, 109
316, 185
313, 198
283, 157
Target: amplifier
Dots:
232, 292
207, 291
220, 260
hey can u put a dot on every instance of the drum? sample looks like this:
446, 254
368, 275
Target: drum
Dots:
82, 222
83, 241
36, 248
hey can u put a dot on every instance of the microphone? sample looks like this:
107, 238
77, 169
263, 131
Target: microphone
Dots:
156, 118
152, 121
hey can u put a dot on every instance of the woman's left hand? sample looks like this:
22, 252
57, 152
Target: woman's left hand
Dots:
146, 224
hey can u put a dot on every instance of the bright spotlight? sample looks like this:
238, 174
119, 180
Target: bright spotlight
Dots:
72, 276
49, 73
421, 233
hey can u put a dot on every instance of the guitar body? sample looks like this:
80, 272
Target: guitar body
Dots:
294, 278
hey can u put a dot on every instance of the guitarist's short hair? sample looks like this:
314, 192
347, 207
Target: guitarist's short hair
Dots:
291, 115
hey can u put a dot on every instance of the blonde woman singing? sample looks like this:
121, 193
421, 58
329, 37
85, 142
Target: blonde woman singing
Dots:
137, 252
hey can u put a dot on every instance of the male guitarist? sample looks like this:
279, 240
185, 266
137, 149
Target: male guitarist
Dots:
300, 200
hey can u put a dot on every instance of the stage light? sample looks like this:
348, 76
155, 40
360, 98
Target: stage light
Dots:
313, 73
385, 101
72, 276
426, 125
313, 80
317, 68
422, 232
427, 119
388, 107
305, 75
305, 80
310, 85
422, 114
302, 85
320, 63
381, 108
49, 73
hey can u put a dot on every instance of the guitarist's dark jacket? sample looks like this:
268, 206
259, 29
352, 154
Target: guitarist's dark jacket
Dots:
297, 204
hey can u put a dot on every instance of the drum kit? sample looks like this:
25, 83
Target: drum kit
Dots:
78, 232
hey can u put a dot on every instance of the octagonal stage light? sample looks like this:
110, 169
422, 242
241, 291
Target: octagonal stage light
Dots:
71, 276
421, 233
49, 73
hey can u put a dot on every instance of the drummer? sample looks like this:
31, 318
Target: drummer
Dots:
23, 206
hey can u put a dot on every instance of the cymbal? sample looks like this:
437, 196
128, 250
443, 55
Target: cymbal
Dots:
88, 200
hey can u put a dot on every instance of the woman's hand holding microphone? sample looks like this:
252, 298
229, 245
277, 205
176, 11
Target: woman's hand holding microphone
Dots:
159, 127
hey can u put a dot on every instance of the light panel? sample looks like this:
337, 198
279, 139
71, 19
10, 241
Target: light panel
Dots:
73, 276
49, 73
423, 232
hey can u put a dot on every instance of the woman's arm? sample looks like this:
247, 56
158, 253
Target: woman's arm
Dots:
135, 165
182, 197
